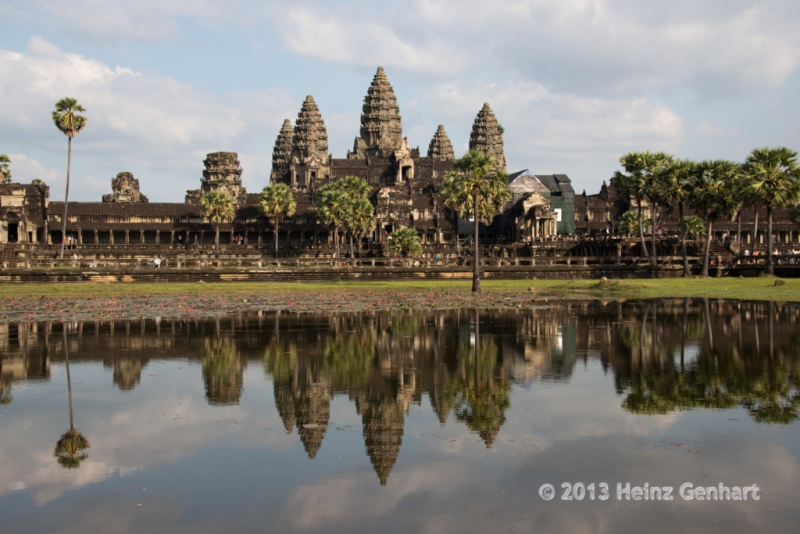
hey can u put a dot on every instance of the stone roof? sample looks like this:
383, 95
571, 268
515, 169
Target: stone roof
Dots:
556, 182
525, 182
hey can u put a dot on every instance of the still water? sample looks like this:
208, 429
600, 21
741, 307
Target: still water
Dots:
407, 422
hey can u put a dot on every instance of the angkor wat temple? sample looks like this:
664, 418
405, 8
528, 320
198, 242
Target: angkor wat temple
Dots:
404, 188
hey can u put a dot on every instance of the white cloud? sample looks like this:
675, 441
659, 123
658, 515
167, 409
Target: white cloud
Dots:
119, 21
316, 32
557, 132
25, 169
720, 49
145, 124
708, 129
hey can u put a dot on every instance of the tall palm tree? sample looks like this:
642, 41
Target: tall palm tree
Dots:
276, 201
476, 189
775, 181
217, 207
655, 166
332, 205
714, 197
676, 187
634, 186
5, 172
360, 219
66, 119
357, 192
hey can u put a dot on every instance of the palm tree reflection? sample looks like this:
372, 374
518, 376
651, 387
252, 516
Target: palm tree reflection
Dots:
68, 448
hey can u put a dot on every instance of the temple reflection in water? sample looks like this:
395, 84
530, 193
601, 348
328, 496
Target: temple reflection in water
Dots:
663, 356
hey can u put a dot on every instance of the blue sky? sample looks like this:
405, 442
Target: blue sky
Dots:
575, 83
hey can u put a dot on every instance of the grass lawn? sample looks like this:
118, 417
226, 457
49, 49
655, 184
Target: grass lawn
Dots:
762, 288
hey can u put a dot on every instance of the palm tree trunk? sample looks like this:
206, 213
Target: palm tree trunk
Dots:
336, 241
645, 253
69, 380
755, 229
686, 271
276, 237
66, 199
653, 223
477, 349
476, 269
216, 241
739, 229
770, 260
352, 254
708, 248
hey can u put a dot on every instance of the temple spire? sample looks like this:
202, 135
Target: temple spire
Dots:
381, 128
310, 137
487, 137
440, 148
282, 154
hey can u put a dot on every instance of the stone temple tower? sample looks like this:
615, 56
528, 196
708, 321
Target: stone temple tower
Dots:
381, 128
440, 148
310, 158
486, 136
282, 154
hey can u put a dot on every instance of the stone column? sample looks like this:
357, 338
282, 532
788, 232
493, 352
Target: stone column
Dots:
141, 237
96, 237
158, 237
260, 236
127, 237
80, 236
111, 236
172, 237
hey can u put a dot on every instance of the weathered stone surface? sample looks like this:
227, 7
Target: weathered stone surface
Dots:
125, 189
440, 148
486, 136
310, 159
223, 173
282, 154
310, 136
381, 127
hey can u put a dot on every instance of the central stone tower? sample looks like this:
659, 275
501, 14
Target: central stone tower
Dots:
381, 128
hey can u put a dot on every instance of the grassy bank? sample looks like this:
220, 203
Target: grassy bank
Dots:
763, 288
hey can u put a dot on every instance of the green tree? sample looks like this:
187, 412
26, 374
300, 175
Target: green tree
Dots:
636, 185
656, 166
774, 176
405, 242
360, 220
67, 119
217, 207
5, 172
476, 190
675, 182
37, 181
359, 214
714, 196
693, 227
629, 223
277, 201
333, 205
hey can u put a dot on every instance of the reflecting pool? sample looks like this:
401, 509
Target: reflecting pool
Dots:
451, 421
